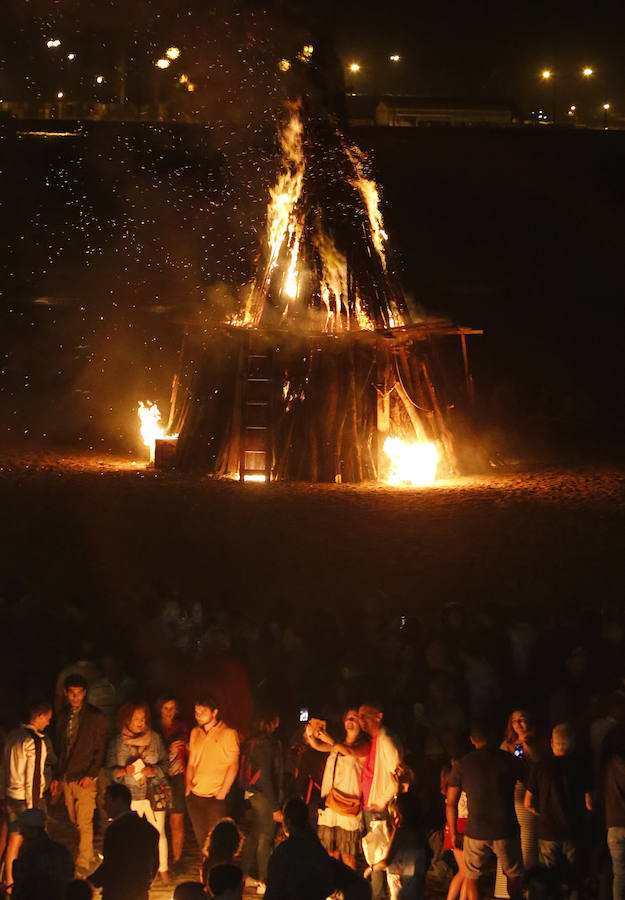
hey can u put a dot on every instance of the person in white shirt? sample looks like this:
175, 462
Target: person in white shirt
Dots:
23, 775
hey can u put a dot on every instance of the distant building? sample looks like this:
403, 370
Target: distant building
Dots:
410, 112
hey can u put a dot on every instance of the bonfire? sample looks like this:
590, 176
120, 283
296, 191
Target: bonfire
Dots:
322, 373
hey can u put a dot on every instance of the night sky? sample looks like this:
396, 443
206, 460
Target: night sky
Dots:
473, 49
485, 47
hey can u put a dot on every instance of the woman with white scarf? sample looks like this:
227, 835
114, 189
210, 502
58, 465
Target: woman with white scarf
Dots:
137, 757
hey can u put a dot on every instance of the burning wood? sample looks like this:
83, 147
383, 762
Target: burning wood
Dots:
150, 429
322, 366
307, 277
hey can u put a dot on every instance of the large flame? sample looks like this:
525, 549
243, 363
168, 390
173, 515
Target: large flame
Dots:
287, 223
411, 463
151, 430
368, 190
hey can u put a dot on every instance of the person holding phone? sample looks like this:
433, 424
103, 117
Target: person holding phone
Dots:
520, 740
339, 831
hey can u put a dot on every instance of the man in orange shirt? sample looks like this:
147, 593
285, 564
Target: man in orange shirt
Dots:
212, 769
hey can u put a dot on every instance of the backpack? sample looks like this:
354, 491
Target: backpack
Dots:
247, 775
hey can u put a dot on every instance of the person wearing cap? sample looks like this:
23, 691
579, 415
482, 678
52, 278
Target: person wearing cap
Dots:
44, 867
23, 775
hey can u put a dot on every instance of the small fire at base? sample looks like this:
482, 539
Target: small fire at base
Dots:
151, 430
411, 463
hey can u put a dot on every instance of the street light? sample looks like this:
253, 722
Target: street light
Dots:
587, 72
394, 57
354, 67
71, 56
60, 95
162, 63
99, 79
53, 42
172, 53
548, 75
606, 107
284, 65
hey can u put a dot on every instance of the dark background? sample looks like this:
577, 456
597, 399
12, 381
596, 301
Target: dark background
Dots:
119, 235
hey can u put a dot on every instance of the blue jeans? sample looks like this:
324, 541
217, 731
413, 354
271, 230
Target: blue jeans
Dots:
259, 842
616, 846
378, 879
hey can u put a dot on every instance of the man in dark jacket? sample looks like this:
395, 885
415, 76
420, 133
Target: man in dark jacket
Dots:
81, 737
130, 850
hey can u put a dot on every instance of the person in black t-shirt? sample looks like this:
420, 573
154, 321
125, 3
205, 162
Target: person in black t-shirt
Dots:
558, 792
488, 778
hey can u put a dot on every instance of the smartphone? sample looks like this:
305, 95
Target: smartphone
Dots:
303, 714
518, 750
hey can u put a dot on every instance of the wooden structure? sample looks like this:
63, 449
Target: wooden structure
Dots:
323, 359
278, 405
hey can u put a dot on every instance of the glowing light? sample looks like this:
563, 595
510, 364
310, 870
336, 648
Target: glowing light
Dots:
573, 108
259, 478
151, 430
60, 95
546, 74
306, 53
172, 53
71, 56
587, 72
354, 67
163, 63
190, 87
53, 42
284, 65
394, 57
100, 79
184, 79
411, 463
606, 106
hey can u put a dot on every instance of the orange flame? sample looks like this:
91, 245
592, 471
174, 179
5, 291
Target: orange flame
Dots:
368, 190
411, 463
285, 227
151, 430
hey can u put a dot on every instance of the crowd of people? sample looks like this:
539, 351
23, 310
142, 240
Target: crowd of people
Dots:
406, 771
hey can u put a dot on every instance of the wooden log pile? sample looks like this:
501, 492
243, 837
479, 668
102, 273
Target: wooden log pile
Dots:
325, 399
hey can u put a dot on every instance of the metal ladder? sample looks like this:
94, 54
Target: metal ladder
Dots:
256, 452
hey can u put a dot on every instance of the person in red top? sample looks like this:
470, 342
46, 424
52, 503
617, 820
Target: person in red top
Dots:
175, 734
